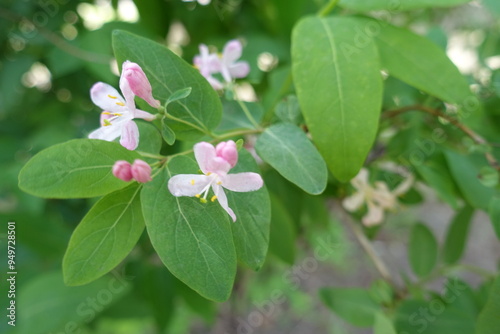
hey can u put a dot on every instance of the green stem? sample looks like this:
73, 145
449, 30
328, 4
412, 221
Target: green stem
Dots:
150, 155
236, 134
245, 109
328, 8
208, 133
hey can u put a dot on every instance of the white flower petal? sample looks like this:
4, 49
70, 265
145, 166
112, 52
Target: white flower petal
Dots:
232, 51
187, 184
239, 69
130, 135
144, 115
242, 182
404, 186
360, 181
108, 98
112, 131
374, 216
354, 202
222, 198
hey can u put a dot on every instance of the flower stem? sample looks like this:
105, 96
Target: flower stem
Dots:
236, 134
150, 155
205, 131
328, 8
245, 109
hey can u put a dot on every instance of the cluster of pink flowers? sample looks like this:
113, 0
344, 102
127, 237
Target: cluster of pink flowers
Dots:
117, 120
227, 64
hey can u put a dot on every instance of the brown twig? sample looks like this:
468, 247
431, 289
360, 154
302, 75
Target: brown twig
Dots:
455, 122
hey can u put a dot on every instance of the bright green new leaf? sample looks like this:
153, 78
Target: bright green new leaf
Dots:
339, 86
354, 305
398, 5
168, 74
465, 170
488, 321
104, 237
194, 240
288, 150
178, 95
456, 237
283, 232
167, 133
494, 212
79, 168
419, 62
423, 250
253, 210
383, 325
46, 295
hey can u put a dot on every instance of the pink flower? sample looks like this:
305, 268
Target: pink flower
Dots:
133, 81
215, 164
118, 112
230, 67
208, 63
122, 170
141, 171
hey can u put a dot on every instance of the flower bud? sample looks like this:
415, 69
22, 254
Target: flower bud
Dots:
227, 151
122, 170
141, 171
139, 84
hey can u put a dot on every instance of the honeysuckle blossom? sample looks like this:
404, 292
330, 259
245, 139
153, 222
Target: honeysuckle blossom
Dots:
122, 170
139, 171
215, 163
118, 112
201, 2
226, 64
377, 199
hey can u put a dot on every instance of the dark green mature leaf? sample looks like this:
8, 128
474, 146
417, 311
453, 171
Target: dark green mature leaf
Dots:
253, 212
422, 250
234, 117
494, 212
288, 110
105, 236
339, 86
150, 140
465, 171
392, 5
383, 325
456, 238
43, 297
354, 305
488, 321
168, 74
194, 240
288, 150
79, 168
419, 62
283, 232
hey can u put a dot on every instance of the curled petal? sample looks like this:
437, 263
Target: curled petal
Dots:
228, 151
242, 182
187, 184
232, 51
404, 186
108, 98
374, 216
360, 181
133, 81
130, 135
144, 115
239, 69
354, 202
208, 161
383, 196
222, 198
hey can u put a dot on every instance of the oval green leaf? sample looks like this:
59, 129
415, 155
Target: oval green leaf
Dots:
488, 321
168, 75
456, 237
194, 240
399, 5
79, 168
423, 250
288, 150
105, 236
339, 86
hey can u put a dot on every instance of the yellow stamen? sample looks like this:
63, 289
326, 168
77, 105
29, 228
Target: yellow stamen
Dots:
120, 104
197, 195
219, 183
192, 182
213, 198
113, 97
106, 113
208, 174
203, 200
106, 122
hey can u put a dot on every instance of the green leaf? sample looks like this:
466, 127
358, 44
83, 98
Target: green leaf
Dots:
105, 236
383, 325
399, 5
194, 240
339, 87
79, 168
167, 133
178, 95
489, 176
419, 62
465, 171
288, 110
422, 250
283, 234
253, 211
288, 150
354, 305
234, 117
168, 74
493, 6
494, 212
488, 321
149, 141
46, 295
457, 234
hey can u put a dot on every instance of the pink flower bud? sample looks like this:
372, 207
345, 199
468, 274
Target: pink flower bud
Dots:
227, 151
141, 171
139, 84
122, 170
